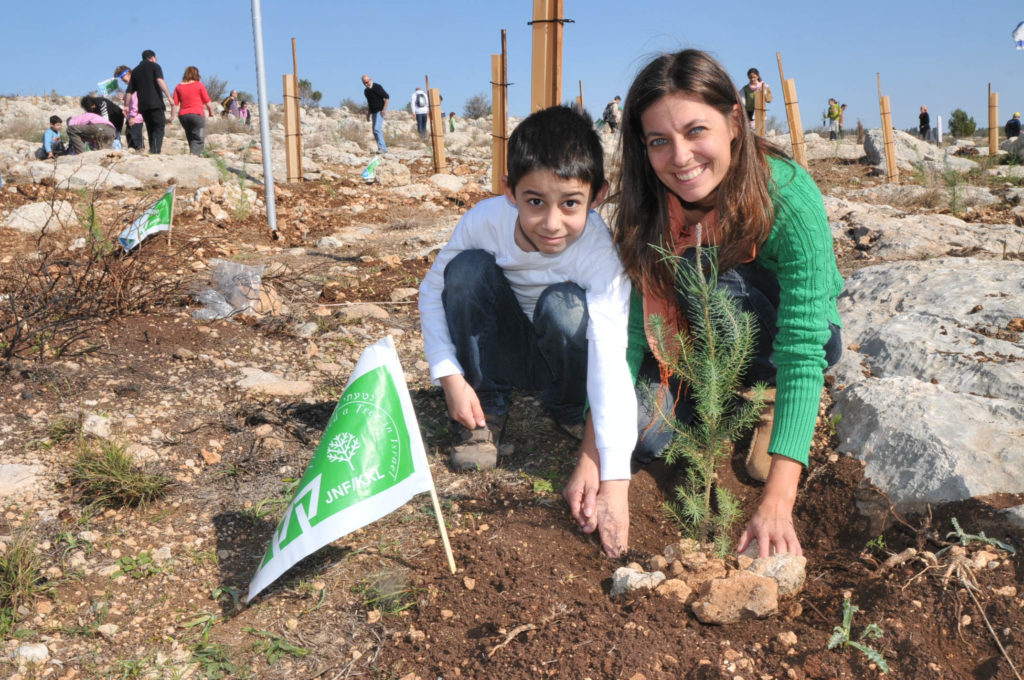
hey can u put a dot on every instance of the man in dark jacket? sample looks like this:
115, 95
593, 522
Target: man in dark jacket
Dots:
1013, 126
376, 105
148, 81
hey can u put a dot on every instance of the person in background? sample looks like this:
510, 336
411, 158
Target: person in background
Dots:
832, 116
420, 106
53, 145
90, 129
924, 123
612, 113
376, 105
1012, 127
147, 80
748, 92
230, 106
132, 117
243, 113
694, 173
842, 114
191, 102
451, 121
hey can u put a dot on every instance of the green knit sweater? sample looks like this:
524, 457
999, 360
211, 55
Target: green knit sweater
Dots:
799, 252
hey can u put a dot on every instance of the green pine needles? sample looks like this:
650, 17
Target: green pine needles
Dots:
710, 358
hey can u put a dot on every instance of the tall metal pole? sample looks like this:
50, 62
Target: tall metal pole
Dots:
261, 84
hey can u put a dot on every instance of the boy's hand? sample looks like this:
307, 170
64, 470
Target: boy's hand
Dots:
463, 403
595, 504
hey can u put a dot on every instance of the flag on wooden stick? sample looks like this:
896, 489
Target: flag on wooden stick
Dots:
370, 461
156, 219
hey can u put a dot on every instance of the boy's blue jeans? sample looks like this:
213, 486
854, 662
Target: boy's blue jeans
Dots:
500, 348
756, 290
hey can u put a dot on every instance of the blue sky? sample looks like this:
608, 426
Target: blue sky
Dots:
941, 53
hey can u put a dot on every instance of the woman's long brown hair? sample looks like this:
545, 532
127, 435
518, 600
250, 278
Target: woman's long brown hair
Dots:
743, 202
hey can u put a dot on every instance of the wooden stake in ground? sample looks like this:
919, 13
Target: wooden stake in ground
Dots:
298, 139
993, 121
499, 124
891, 168
796, 131
579, 98
436, 128
291, 128
170, 219
759, 112
546, 78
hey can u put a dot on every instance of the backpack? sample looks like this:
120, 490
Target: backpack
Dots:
609, 111
421, 100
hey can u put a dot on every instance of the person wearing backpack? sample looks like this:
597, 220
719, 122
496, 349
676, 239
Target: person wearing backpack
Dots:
612, 115
420, 108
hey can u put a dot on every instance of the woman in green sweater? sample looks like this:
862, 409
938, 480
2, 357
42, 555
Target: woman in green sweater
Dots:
692, 169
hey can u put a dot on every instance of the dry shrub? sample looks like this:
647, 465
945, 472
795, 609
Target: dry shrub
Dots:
51, 303
352, 131
224, 125
23, 128
402, 216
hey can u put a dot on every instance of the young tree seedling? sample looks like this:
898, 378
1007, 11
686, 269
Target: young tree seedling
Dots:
842, 636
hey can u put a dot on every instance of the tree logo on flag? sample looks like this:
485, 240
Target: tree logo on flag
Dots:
342, 448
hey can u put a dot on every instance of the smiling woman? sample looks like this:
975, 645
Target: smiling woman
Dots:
693, 173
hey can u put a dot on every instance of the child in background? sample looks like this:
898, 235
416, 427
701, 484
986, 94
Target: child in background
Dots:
451, 122
132, 117
243, 113
529, 293
53, 145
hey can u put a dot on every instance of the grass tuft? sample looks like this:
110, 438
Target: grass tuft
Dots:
106, 475
386, 591
21, 579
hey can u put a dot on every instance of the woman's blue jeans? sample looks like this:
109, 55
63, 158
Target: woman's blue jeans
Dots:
500, 348
756, 290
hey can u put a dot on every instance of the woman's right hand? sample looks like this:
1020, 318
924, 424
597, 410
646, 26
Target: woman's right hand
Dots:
463, 402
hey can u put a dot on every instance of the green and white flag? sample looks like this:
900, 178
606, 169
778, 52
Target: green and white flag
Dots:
370, 462
156, 219
108, 86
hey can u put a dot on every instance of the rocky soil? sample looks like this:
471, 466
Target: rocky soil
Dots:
231, 409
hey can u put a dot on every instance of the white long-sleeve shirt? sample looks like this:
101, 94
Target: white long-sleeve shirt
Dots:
591, 263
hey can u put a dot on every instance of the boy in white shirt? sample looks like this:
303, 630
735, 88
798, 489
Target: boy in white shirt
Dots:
529, 293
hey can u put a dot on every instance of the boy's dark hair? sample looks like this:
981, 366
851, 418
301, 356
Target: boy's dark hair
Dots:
560, 139
55, 119
148, 54
89, 103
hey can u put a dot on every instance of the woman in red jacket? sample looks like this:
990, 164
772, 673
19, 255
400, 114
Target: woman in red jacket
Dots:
190, 100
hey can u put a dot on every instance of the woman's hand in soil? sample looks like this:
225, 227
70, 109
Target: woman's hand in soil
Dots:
595, 504
463, 403
772, 523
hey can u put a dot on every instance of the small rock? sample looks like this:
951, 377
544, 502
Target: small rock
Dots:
447, 614
210, 457
416, 636
740, 595
657, 563
264, 430
981, 559
626, 579
107, 630
399, 294
786, 639
292, 623
372, 616
675, 589
788, 571
97, 426
469, 582
141, 453
306, 330
363, 310
31, 653
1005, 591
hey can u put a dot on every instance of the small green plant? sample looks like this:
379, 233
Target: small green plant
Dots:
953, 180
842, 636
21, 579
139, 567
274, 646
710, 357
876, 544
62, 429
965, 539
228, 591
386, 591
542, 486
106, 475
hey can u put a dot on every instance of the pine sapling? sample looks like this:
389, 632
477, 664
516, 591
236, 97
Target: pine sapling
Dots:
710, 358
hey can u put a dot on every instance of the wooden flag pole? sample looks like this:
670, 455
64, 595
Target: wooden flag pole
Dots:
993, 121
170, 219
441, 527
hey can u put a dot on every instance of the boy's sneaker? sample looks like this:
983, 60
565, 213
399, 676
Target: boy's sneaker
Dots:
574, 430
759, 461
477, 449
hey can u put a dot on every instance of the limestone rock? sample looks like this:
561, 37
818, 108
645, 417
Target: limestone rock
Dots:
740, 595
365, 310
788, 571
627, 579
31, 653
255, 380
36, 217
675, 589
19, 478
97, 426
